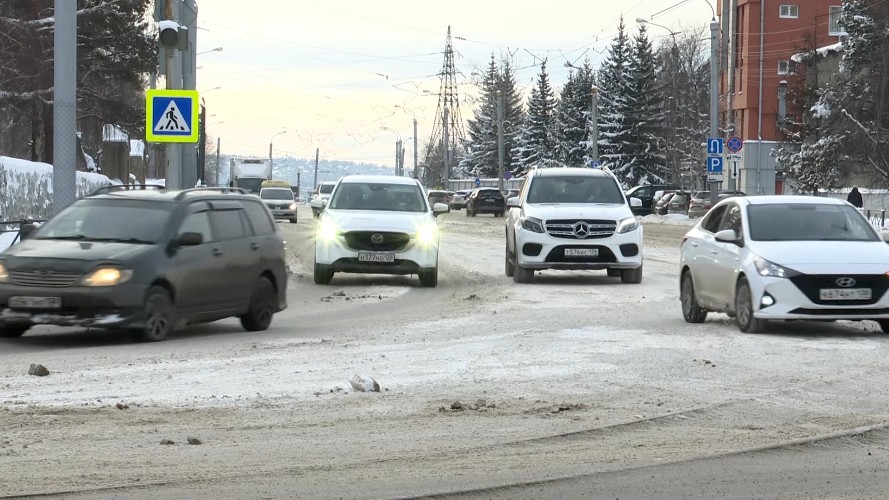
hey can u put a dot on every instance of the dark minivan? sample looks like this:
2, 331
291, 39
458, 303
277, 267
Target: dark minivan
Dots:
147, 260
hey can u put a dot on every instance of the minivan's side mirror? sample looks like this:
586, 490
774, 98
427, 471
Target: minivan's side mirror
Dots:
514, 202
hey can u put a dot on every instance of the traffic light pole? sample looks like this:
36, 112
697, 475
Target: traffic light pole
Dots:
188, 17
173, 72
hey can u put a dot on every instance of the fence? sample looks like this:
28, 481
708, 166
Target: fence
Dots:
876, 217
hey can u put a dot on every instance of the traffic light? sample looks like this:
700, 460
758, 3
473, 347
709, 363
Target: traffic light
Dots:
172, 36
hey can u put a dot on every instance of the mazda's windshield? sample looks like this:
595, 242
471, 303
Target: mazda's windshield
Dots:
808, 222
378, 196
133, 221
574, 189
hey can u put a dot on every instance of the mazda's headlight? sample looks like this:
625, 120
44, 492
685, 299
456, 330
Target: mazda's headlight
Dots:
532, 224
293, 206
427, 234
4, 276
627, 225
107, 276
766, 268
327, 230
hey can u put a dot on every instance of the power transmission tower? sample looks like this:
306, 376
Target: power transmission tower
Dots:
448, 135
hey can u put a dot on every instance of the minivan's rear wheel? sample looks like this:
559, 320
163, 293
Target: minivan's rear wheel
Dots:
159, 317
262, 306
691, 311
322, 274
747, 323
13, 331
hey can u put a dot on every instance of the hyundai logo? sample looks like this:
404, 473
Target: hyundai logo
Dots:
376, 238
581, 229
845, 282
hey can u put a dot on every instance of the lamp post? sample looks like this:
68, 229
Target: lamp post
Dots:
416, 172
398, 156
217, 49
714, 92
270, 150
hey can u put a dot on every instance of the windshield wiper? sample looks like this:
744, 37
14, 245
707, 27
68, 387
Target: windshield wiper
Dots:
122, 240
69, 237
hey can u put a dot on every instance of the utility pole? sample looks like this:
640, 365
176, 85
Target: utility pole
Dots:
216, 175
594, 123
173, 72
714, 96
500, 152
315, 184
188, 14
444, 144
64, 135
202, 146
398, 157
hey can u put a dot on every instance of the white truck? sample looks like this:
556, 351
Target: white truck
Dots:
250, 173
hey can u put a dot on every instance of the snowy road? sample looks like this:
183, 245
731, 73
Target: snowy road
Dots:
573, 375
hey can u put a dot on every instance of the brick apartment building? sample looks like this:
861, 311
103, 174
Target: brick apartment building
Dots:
757, 42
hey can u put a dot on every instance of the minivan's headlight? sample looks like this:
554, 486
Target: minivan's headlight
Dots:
107, 276
532, 224
293, 206
4, 276
767, 268
627, 225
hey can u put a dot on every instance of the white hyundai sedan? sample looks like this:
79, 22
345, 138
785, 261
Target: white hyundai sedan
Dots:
763, 258
379, 225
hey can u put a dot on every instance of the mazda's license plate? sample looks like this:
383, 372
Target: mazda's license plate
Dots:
581, 252
35, 302
376, 257
844, 294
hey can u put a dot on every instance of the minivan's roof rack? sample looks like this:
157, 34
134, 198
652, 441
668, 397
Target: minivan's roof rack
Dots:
220, 189
124, 187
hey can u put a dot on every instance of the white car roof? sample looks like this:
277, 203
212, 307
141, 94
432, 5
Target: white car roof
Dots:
782, 199
379, 179
554, 172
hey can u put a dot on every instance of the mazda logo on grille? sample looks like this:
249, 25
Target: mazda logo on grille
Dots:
845, 282
376, 238
581, 229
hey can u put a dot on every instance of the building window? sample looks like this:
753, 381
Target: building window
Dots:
789, 11
833, 25
783, 67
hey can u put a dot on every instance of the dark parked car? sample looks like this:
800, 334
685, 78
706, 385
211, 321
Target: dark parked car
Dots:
646, 194
148, 261
700, 204
486, 200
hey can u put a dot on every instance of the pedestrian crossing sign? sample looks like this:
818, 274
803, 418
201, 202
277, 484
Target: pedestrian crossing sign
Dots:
171, 115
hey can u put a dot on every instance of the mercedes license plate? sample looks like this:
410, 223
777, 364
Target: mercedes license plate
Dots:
844, 294
35, 302
376, 257
581, 252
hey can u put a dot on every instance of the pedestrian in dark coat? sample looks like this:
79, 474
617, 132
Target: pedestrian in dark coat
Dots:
855, 197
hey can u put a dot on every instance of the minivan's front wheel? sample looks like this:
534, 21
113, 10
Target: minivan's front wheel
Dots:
159, 317
262, 306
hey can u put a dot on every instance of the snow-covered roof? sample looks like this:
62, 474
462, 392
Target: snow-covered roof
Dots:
113, 133
821, 51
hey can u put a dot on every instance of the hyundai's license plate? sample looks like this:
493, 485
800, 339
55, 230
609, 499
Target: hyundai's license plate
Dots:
35, 302
844, 294
376, 257
581, 252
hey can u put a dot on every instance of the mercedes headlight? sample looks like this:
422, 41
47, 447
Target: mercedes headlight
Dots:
327, 230
532, 224
627, 225
427, 234
107, 276
766, 268
4, 276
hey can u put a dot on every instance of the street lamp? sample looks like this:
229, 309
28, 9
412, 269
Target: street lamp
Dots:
398, 167
209, 90
415, 138
217, 49
270, 149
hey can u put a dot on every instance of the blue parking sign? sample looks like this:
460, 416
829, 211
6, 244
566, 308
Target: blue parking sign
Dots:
714, 164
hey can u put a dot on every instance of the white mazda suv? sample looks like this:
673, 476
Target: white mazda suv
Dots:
378, 225
573, 218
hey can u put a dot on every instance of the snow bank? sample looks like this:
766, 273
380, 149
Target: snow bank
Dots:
669, 219
26, 188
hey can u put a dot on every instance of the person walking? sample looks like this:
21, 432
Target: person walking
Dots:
855, 197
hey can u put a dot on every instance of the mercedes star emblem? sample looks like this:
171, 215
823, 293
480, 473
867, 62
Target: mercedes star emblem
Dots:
581, 229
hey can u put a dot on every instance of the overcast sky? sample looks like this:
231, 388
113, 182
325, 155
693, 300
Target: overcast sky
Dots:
333, 73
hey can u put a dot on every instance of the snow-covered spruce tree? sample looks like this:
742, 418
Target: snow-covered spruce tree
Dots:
537, 143
513, 114
645, 117
573, 115
614, 105
481, 158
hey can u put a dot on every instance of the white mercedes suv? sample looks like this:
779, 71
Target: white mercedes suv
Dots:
573, 218
379, 225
